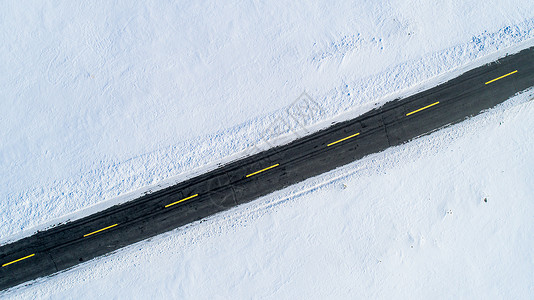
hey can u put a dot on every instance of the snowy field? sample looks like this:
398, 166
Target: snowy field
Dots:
448, 216
101, 101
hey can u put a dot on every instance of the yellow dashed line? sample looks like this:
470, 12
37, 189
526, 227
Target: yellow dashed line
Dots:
341, 140
105, 228
179, 201
17, 260
501, 77
273, 166
415, 111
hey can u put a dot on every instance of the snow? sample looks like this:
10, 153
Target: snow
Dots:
104, 101
410, 222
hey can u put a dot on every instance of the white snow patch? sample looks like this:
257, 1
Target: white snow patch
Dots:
445, 216
104, 101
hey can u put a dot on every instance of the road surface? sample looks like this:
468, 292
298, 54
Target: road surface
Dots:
242, 181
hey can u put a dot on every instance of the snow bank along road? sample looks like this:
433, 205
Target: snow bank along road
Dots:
398, 121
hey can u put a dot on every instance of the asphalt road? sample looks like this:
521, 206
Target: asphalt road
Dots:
396, 122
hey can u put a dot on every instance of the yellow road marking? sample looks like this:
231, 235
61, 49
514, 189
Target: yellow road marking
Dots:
341, 140
179, 201
415, 111
501, 77
273, 166
105, 228
17, 260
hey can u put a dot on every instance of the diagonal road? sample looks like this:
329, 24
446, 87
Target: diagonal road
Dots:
396, 122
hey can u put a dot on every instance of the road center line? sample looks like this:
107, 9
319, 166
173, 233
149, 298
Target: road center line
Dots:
257, 172
105, 228
17, 260
415, 111
501, 77
343, 139
182, 200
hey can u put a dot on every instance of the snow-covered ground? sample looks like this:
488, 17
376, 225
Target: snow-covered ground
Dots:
102, 100
446, 216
